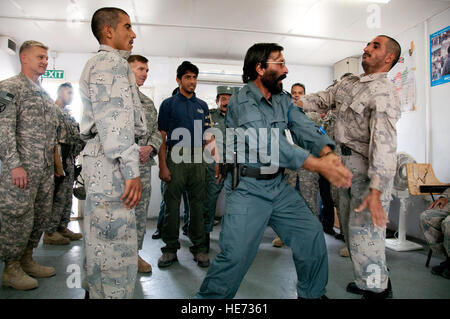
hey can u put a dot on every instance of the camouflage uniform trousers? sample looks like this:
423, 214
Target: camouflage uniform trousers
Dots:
309, 186
365, 242
435, 225
62, 200
212, 194
110, 232
142, 208
25, 212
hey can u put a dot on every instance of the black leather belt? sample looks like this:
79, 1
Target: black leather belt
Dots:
345, 150
256, 173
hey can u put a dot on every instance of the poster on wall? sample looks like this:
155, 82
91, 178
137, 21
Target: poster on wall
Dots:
440, 56
402, 75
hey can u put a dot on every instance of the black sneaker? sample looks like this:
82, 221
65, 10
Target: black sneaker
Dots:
156, 234
353, 289
446, 273
339, 237
330, 232
439, 269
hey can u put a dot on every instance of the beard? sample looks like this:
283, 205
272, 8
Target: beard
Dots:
270, 81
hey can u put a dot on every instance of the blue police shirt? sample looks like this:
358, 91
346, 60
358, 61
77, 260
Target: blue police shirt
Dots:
184, 116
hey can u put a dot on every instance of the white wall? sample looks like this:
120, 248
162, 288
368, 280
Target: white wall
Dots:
9, 65
412, 126
440, 112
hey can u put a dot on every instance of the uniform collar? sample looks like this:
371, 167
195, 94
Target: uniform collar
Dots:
193, 98
372, 77
124, 54
34, 86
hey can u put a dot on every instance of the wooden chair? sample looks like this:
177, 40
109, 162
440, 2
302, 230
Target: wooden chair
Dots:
423, 181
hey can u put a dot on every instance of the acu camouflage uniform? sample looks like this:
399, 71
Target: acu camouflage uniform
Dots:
308, 181
112, 118
435, 224
29, 125
62, 200
367, 110
153, 138
212, 188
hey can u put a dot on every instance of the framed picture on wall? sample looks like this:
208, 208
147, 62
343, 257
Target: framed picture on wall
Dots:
440, 56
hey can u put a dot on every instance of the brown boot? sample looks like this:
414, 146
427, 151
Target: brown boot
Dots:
66, 232
32, 268
14, 276
277, 242
55, 238
143, 266
343, 252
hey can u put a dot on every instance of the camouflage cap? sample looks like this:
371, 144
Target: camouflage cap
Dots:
224, 90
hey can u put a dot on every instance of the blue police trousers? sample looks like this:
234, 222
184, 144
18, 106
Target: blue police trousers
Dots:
250, 208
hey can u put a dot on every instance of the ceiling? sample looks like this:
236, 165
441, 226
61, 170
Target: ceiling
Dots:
313, 32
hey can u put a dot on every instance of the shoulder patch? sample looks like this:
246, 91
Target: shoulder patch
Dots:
5, 99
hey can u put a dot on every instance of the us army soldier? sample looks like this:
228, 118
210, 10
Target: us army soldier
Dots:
112, 119
367, 109
57, 232
149, 147
29, 125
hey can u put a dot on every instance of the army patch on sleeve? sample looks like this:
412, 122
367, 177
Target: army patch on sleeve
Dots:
5, 99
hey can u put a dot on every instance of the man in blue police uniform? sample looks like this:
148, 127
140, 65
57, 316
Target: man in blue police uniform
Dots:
257, 196
181, 121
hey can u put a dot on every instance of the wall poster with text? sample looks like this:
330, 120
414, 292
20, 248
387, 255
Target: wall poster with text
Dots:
440, 56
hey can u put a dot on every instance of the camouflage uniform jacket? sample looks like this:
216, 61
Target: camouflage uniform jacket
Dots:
367, 110
112, 109
73, 138
153, 137
29, 124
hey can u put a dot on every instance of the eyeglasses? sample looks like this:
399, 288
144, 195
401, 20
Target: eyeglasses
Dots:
282, 63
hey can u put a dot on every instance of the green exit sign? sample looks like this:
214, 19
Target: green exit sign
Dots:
54, 74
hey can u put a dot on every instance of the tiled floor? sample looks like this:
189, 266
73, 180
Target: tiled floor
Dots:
272, 275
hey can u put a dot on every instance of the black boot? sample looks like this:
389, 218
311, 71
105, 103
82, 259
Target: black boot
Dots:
353, 288
439, 269
156, 234
86, 295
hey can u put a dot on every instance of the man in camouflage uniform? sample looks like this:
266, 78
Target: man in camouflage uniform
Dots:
149, 147
29, 125
306, 182
57, 233
213, 188
367, 109
112, 118
435, 224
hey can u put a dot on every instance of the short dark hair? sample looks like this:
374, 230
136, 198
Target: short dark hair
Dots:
257, 53
136, 57
65, 85
185, 67
298, 84
393, 46
105, 16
